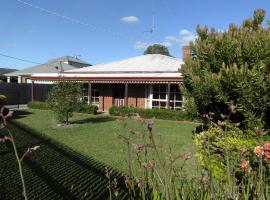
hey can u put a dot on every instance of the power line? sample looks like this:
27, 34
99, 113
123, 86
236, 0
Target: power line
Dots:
73, 20
20, 59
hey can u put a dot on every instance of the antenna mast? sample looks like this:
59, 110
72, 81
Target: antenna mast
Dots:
153, 25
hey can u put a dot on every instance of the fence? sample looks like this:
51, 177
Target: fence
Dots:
21, 93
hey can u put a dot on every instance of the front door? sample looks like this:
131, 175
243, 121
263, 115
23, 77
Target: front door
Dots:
119, 94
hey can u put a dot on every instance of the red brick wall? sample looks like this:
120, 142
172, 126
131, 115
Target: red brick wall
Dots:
105, 96
136, 95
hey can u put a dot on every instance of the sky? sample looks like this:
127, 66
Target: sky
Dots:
100, 31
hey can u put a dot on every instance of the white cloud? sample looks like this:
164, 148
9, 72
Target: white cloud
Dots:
172, 39
139, 45
166, 43
184, 32
130, 19
186, 39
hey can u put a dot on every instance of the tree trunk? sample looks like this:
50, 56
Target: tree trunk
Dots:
67, 118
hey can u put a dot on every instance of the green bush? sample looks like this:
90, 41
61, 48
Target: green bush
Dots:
38, 105
89, 109
2, 100
231, 68
220, 148
84, 108
150, 113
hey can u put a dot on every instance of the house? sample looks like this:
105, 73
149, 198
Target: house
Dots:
5, 71
147, 81
53, 66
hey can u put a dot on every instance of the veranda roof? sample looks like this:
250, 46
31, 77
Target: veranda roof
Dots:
145, 68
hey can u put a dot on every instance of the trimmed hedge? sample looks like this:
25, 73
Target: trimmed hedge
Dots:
38, 105
150, 113
84, 108
89, 109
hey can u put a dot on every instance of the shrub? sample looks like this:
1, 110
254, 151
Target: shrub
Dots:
83, 108
2, 100
150, 113
89, 109
64, 99
38, 105
231, 67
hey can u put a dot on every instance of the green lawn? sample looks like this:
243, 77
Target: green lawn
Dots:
96, 136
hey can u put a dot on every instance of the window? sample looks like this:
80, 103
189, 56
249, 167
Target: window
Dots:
157, 97
175, 98
95, 95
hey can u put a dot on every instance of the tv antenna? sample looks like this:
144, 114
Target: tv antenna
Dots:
152, 29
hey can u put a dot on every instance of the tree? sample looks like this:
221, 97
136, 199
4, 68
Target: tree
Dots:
157, 49
64, 99
231, 67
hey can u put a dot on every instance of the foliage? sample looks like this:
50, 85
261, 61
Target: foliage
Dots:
64, 99
8, 137
150, 113
231, 67
157, 49
96, 135
82, 108
226, 173
2, 100
89, 109
38, 105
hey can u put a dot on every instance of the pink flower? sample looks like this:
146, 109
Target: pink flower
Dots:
258, 150
149, 165
139, 147
185, 156
244, 164
266, 148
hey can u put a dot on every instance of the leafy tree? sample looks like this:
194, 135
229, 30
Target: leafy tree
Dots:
64, 99
231, 67
157, 49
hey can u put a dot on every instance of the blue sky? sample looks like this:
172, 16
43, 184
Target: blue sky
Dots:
111, 29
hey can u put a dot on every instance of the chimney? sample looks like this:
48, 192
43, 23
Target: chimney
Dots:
186, 52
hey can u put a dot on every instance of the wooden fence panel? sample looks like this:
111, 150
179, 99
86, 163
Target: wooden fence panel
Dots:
21, 93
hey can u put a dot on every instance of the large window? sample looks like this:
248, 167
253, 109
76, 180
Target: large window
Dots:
95, 95
158, 97
175, 98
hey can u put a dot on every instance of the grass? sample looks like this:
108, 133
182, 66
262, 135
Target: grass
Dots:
70, 163
97, 136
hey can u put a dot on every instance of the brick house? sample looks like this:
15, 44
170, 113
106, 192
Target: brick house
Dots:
147, 81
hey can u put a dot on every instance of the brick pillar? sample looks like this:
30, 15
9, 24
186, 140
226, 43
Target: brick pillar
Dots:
168, 95
89, 93
126, 94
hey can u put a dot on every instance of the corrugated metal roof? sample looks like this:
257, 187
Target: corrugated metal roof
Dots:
53, 66
69, 58
6, 70
144, 63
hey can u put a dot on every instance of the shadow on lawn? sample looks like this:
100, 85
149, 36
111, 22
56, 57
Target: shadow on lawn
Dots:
99, 119
17, 114
53, 171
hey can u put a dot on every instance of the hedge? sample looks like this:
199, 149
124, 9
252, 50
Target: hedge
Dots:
150, 113
84, 108
38, 105
89, 109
